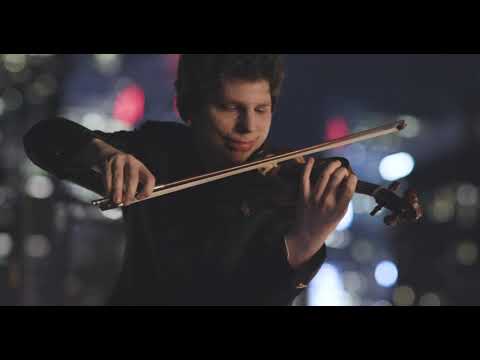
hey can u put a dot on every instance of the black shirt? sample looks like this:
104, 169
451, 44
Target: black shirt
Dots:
215, 244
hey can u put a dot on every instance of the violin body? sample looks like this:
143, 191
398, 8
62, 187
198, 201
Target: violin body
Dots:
281, 187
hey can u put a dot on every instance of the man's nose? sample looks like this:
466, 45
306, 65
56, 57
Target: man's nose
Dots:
247, 121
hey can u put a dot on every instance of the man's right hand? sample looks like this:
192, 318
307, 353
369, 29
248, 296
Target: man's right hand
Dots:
124, 175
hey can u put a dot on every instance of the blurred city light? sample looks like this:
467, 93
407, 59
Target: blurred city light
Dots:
12, 98
396, 166
429, 299
467, 253
37, 246
386, 273
467, 195
327, 289
129, 105
336, 127
14, 62
45, 85
39, 186
339, 239
347, 220
403, 296
108, 64
413, 126
354, 282
363, 204
2, 106
94, 121
6, 244
362, 251
442, 208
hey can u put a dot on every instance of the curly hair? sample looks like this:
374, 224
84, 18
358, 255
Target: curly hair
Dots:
200, 76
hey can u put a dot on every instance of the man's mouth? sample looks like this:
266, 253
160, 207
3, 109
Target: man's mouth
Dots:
242, 146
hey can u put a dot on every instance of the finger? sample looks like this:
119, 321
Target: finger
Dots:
334, 181
346, 194
324, 178
117, 180
149, 183
307, 172
131, 182
107, 178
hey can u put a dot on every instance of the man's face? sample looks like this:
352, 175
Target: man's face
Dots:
236, 123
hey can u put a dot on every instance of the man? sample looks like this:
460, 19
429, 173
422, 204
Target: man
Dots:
207, 245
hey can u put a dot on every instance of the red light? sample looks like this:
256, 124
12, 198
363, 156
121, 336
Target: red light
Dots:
129, 105
337, 127
172, 62
175, 107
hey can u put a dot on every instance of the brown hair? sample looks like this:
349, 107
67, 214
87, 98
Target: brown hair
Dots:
200, 76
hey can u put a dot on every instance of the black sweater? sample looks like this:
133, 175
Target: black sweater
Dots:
195, 247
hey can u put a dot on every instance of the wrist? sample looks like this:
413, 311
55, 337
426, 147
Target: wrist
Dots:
301, 248
95, 154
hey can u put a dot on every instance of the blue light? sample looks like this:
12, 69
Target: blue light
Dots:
347, 219
386, 274
396, 166
327, 288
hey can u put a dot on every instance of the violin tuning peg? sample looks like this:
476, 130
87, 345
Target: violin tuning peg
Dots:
376, 210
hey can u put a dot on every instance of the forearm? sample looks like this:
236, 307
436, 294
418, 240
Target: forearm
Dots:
93, 155
68, 151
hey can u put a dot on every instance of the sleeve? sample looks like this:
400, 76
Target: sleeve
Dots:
54, 144
264, 273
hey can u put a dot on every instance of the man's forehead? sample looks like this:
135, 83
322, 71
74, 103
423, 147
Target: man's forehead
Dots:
245, 89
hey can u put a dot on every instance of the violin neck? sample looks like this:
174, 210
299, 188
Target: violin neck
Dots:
366, 188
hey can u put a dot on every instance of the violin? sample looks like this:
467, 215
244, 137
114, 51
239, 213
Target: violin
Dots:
404, 209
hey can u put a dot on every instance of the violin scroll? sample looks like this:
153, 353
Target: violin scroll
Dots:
406, 209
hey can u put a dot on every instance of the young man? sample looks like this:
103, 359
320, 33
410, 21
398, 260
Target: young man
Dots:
206, 245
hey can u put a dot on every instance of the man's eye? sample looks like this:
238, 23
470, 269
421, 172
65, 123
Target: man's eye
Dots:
262, 110
227, 107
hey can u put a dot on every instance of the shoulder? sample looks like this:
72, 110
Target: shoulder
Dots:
164, 132
162, 127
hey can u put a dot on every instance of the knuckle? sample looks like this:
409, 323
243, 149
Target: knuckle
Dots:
338, 175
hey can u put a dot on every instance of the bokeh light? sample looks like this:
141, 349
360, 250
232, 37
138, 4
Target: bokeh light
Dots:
386, 273
108, 64
413, 126
336, 127
362, 251
347, 220
39, 186
15, 62
403, 296
12, 98
396, 166
429, 299
129, 105
467, 195
327, 289
467, 253
6, 244
339, 239
37, 246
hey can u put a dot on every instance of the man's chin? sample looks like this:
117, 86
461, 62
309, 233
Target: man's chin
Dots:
238, 158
